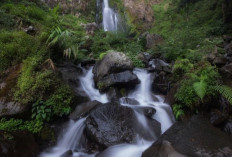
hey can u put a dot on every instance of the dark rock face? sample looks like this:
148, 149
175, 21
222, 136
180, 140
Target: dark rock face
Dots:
228, 127
83, 109
113, 94
197, 138
122, 79
145, 57
130, 101
227, 70
70, 74
170, 98
220, 61
160, 65
113, 62
111, 124
18, 144
217, 117
9, 107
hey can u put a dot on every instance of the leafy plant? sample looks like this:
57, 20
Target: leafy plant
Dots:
178, 111
41, 111
225, 91
200, 87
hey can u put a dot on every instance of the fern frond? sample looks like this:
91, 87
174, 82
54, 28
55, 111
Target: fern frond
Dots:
225, 91
200, 88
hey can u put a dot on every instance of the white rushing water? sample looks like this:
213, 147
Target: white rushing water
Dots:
87, 84
110, 17
72, 138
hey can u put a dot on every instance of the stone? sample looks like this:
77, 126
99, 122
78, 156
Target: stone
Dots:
113, 62
113, 94
195, 138
228, 127
71, 73
145, 57
110, 124
217, 117
30, 30
220, 61
227, 71
18, 144
160, 65
124, 79
129, 101
83, 109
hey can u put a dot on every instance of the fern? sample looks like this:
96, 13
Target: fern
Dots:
200, 87
225, 91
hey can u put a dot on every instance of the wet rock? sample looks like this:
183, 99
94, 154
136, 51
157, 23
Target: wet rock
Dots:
113, 62
83, 109
196, 138
68, 153
228, 127
170, 98
148, 111
112, 124
90, 28
167, 150
220, 61
113, 94
145, 57
217, 117
227, 70
161, 83
18, 144
160, 65
129, 101
71, 73
124, 79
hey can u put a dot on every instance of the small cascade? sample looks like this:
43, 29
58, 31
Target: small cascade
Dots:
110, 17
87, 84
71, 140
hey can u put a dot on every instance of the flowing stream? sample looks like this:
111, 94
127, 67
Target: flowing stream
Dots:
72, 139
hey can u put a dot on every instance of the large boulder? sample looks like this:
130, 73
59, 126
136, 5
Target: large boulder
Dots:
112, 124
83, 109
197, 138
113, 62
122, 79
18, 144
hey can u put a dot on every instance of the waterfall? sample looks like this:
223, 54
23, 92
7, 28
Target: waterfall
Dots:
71, 141
110, 17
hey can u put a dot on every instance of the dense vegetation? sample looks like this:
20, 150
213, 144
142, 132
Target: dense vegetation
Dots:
191, 30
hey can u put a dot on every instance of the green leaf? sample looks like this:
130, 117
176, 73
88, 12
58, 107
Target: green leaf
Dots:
200, 88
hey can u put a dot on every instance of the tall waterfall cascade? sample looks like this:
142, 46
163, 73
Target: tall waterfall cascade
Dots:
110, 17
71, 140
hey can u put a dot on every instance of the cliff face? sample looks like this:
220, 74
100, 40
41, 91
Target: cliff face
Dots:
141, 13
